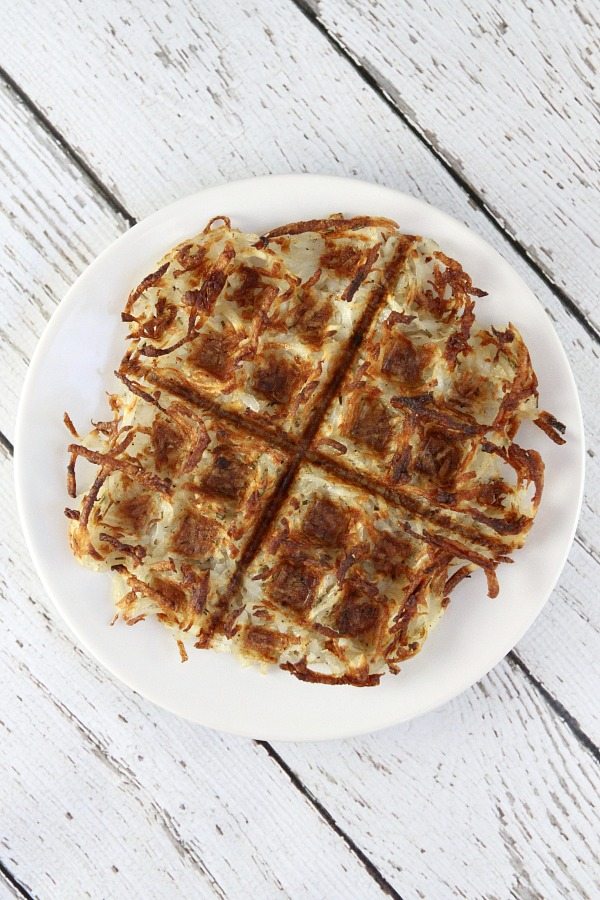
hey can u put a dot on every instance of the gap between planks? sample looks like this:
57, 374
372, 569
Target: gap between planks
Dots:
15, 886
371, 81
8, 446
556, 707
117, 206
328, 818
69, 151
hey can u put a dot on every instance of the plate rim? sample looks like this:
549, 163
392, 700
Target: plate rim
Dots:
53, 325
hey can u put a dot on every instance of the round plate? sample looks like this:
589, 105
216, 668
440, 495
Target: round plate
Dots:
71, 370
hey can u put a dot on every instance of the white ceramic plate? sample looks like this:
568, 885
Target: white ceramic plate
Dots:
71, 370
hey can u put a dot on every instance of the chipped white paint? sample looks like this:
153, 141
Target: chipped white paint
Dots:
508, 94
458, 804
7, 890
491, 796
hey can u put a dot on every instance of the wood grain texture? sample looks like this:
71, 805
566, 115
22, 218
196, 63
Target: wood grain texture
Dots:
52, 225
488, 797
122, 70
104, 794
8, 889
507, 93
492, 796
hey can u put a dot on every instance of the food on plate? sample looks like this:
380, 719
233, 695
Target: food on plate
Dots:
313, 444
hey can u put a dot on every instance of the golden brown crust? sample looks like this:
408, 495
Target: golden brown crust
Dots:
330, 225
301, 671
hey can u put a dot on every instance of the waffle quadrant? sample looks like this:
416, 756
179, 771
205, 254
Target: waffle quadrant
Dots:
314, 444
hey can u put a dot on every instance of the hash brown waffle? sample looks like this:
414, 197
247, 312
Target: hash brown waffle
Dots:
313, 446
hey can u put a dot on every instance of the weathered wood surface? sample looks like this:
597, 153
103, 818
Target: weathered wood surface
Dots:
507, 94
457, 804
492, 796
8, 889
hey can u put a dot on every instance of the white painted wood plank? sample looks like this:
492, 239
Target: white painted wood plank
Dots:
52, 224
218, 92
104, 794
137, 163
508, 94
489, 797
7, 890
363, 825
561, 648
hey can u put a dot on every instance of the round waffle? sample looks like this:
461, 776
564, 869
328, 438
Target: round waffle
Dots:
313, 446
